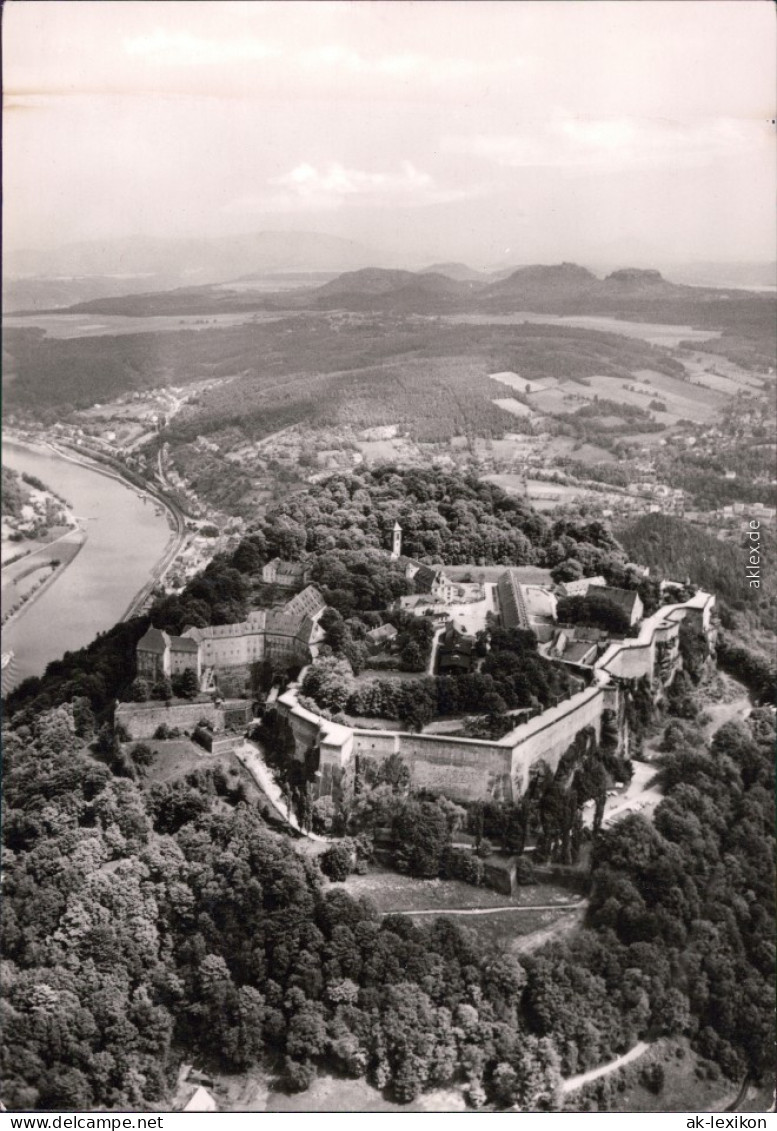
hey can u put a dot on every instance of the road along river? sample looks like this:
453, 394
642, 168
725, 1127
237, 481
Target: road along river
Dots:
126, 537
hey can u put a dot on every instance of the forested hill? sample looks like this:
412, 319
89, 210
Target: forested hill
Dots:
343, 528
445, 517
145, 923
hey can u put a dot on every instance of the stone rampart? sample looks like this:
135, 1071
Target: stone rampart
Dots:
546, 737
468, 769
141, 720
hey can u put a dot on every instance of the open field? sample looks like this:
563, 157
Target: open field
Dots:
509, 404
545, 495
331, 1094
698, 404
512, 380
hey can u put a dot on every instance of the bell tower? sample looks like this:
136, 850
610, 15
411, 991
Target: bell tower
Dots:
396, 544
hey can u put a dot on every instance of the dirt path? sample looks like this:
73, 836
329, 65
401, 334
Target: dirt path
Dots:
558, 929
438, 635
491, 910
575, 1082
250, 756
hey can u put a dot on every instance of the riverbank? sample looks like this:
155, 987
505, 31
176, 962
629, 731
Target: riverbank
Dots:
129, 542
102, 464
67, 549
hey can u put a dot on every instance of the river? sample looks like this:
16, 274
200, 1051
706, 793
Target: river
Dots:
126, 537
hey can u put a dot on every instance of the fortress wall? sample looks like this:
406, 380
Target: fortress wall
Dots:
305, 730
461, 770
377, 744
142, 719
549, 742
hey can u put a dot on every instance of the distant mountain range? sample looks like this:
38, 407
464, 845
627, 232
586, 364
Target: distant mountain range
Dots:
564, 288
77, 273
34, 279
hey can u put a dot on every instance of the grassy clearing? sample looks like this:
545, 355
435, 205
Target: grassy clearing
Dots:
390, 891
690, 1083
175, 758
334, 1094
503, 927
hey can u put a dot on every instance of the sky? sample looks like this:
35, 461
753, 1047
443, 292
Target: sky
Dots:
635, 131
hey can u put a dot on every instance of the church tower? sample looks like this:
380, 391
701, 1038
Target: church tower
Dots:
396, 545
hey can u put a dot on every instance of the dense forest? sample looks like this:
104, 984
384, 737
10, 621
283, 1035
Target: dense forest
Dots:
145, 925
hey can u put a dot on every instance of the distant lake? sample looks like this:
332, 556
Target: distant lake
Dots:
126, 537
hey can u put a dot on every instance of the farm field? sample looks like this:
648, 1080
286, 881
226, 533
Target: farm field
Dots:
512, 380
687, 400
386, 451
724, 370
544, 495
517, 408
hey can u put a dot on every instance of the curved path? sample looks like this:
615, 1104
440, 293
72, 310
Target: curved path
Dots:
573, 1082
493, 910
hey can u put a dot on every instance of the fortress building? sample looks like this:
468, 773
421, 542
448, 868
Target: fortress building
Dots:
286, 635
470, 769
159, 654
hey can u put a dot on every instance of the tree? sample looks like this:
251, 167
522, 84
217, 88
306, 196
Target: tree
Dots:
420, 834
336, 862
162, 689
186, 685
142, 756
139, 691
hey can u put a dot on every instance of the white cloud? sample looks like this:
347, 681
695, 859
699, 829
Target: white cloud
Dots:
307, 181
309, 188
